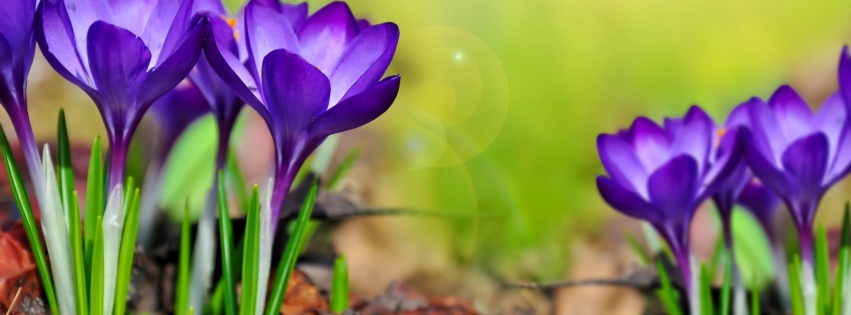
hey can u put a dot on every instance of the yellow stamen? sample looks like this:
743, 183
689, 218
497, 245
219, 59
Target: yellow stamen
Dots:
230, 21
236, 35
720, 134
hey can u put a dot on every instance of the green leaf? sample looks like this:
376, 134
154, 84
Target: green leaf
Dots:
94, 200
226, 243
96, 280
79, 260
251, 257
822, 272
643, 258
30, 226
128, 249
843, 265
342, 169
727, 285
755, 300
191, 311
667, 294
65, 168
187, 171
796, 295
238, 181
706, 302
340, 286
288, 259
753, 251
181, 291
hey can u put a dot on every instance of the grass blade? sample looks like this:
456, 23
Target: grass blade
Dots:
727, 285
181, 290
96, 280
643, 258
94, 200
796, 296
340, 286
125, 256
706, 303
250, 257
667, 294
285, 268
238, 179
822, 272
30, 227
65, 170
79, 260
341, 170
226, 241
839, 287
755, 299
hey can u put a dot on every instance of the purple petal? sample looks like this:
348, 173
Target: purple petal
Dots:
132, 14
763, 167
760, 201
725, 164
55, 37
325, 35
85, 13
118, 61
844, 74
212, 7
830, 120
174, 68
792, 112
626, 201
364, 62
805, 163
767, 137
296, 92
695, 138
738, 117
296, 14
220, 52
363, 24
651, 142
621, 164
266, 30
17, 21
5, 52
166, 28
673, 188
730, 188
357, 110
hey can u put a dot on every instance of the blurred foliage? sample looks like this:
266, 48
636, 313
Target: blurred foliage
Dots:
501, 103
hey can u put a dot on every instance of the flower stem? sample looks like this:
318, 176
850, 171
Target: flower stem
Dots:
23, 129
117, 160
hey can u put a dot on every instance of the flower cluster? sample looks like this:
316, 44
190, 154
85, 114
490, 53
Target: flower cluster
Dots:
766, 151
308, 76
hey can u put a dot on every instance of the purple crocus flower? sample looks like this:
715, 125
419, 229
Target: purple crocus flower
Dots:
729, 189
762, 203
662, 174
124, 53
799, 154
17, 48
321, 80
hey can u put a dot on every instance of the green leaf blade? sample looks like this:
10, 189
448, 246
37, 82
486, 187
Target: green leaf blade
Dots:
340, 286
290, 255
226, 243
96, 282
251, 257
125, 256
181, 290
94, 200
79, 260
29, 222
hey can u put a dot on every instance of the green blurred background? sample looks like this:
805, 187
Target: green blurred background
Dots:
501, 103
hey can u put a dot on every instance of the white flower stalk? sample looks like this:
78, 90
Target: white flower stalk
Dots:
204, 253
266, 241
55, 228
694, 299
148, 204
808, 289
113, 225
